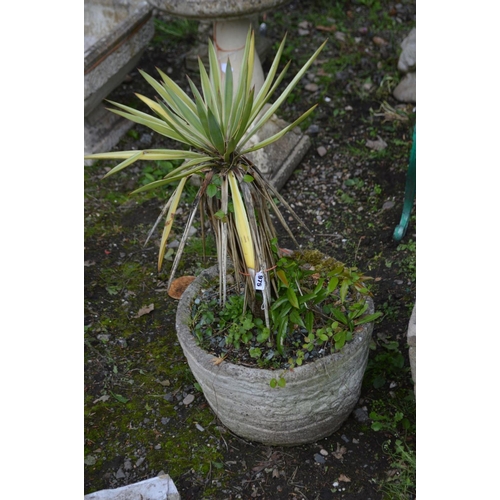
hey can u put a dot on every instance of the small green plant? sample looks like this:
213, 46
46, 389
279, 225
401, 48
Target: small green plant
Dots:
156, 171
176, 28
409, 255
216, 126
401, 484
384, 422
335, 295
317, 310
386, 365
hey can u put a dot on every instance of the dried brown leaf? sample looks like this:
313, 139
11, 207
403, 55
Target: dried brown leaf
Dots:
145, 310
179, 285
327, 28
219, 360
339, 453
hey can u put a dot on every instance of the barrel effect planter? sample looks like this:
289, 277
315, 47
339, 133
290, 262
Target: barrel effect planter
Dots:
317, 399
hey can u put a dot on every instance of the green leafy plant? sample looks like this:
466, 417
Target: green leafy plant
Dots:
156, 171
333, 297
408, 251
402, 482
388, 364
176, 28
319, 303
280, 294
216, 126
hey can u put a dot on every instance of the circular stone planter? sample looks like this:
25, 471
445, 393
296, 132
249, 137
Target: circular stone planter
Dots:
317, 399
217, 9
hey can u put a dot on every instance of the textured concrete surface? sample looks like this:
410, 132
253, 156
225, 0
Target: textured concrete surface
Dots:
217, 9
412, 342
406, 91
114, 41
156, 488
278, 160
116, 35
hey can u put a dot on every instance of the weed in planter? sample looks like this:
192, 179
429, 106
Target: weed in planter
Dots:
319, 304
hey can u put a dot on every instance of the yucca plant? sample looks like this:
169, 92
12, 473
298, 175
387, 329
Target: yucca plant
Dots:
216, 125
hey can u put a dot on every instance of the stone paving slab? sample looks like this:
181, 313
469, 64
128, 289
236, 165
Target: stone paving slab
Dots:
156, 488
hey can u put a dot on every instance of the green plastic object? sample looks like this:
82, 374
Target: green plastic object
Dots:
410, 190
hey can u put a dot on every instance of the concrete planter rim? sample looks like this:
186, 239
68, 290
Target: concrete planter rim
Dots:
217, 9
301, 378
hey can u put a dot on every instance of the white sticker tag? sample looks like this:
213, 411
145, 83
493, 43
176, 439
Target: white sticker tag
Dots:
223, 67
260, 283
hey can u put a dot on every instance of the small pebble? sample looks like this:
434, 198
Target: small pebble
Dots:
321, 151
323, 452
377, 40
312, 87
146, 139
378, 145
361, 415
313, 129
119, 474
188, 399
319, 458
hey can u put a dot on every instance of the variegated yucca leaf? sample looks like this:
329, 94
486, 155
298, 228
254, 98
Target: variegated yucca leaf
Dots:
214, 124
